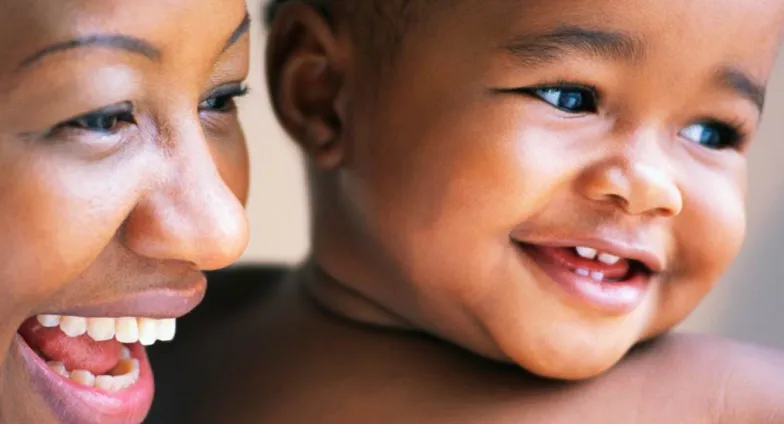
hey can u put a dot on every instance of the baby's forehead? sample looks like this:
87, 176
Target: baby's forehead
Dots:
672, 32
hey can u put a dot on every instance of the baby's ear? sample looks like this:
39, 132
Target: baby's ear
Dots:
306, 81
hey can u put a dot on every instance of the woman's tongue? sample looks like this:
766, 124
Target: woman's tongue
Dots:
76, 353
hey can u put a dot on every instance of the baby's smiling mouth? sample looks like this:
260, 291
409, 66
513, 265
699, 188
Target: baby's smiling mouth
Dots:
602, 275
599, 266
94, 352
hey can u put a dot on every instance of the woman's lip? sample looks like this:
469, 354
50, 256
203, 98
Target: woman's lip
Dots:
614, 298
159, 303
73, 402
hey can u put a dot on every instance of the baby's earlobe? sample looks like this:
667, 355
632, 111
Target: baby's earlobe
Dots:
322, 144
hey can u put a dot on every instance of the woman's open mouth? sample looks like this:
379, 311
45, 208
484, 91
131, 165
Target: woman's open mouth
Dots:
85, 380
605, 281
94, 352
92, 369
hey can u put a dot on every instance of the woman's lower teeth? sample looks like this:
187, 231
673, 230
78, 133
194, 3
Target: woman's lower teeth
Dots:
122, 376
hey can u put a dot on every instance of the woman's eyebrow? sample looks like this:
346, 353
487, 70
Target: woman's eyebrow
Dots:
121, 42
114, 41
241, 30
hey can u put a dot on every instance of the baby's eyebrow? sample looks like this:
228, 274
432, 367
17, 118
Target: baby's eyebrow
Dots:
539, 49
743, 84
543, 48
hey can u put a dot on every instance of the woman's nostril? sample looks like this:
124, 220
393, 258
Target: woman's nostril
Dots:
208, 228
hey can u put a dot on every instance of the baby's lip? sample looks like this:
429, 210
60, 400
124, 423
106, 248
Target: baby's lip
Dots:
171, 300
653, 261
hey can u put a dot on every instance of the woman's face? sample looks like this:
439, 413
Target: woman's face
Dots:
123, 173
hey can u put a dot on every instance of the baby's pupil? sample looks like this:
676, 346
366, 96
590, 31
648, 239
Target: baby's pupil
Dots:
571, 100
710, 137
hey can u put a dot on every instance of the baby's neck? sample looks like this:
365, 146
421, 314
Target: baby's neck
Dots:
337, 298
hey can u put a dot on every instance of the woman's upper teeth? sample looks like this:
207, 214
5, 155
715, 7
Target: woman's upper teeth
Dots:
126, 330
593, 254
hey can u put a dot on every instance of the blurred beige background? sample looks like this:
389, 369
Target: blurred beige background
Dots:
748, 304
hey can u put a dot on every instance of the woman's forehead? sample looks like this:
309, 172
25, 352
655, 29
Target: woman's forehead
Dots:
149, 27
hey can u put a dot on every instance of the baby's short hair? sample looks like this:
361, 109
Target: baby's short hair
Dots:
378, 25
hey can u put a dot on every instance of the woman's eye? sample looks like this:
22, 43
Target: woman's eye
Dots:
569, 99
102, 121
222, 99
712, 135
218, 104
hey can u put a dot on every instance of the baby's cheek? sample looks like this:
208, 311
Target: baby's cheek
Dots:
706, 238
712, 233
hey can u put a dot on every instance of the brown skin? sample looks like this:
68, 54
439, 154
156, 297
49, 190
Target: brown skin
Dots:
88, 218
421, 184
423, 172
284, 360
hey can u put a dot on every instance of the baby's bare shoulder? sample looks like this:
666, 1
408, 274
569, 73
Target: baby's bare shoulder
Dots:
731, 382
677, 378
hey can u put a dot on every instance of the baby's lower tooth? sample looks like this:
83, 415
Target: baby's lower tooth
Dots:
583, 272
125, 353
100, 329
597, 276
83, 377
166, 329
48, 321
148, 331
127, 330
73, 326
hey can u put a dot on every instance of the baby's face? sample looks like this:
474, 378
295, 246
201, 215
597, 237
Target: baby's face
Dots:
551, 182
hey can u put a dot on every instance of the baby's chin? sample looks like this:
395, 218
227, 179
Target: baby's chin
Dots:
568, 355
570, 366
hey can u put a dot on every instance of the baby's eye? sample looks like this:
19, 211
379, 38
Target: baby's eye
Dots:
713, 135
222, 99
105, 120
568, 99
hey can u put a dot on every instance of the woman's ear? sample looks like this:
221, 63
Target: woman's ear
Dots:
306, 81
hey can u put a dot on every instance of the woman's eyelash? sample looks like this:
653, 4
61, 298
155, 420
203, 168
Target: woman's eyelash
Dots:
107, 120
222, 99
103, 120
